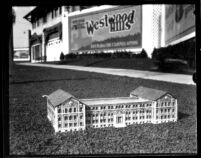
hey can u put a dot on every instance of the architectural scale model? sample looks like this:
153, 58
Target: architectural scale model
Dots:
144, 105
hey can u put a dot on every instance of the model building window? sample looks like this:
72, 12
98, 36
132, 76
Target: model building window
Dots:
59, 118
172, 110
81, 117
66, 118
70, 118
70, 110
80, 109
59, 110
66, 124
59, 125
75, 117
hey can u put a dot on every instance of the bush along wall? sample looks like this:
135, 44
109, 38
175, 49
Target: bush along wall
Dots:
116, 54
184, 51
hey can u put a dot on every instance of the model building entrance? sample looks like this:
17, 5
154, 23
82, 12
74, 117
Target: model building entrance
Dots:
119, 120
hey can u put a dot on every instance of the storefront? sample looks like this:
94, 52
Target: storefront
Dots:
53, 42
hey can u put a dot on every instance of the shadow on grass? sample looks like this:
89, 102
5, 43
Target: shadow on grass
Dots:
50, 80
182, 115
97, 62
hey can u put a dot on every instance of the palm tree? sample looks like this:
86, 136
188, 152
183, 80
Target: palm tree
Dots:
12, 18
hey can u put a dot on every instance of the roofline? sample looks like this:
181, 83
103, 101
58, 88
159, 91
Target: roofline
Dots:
72, 97
37, 9
29, 13
137, 101
166, 94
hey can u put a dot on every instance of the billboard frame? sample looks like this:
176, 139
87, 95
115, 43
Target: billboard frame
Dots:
70, 17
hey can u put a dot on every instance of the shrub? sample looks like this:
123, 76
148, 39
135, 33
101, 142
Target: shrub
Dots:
62, 56
70, 56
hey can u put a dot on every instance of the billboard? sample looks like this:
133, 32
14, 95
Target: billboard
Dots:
114, 28
179, 21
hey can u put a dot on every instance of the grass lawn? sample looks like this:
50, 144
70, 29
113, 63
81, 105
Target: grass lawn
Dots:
32, 134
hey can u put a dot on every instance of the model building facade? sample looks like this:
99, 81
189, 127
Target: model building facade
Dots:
144, 105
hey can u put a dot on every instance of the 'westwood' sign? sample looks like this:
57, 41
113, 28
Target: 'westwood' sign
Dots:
120, 27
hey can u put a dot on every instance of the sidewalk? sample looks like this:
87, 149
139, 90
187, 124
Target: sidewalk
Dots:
168, 77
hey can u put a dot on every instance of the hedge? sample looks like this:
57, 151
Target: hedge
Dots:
116, 54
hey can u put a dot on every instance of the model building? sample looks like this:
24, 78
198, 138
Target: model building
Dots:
144, 105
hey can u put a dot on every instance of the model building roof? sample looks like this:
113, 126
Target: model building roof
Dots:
148, 93
102, 101
59, 96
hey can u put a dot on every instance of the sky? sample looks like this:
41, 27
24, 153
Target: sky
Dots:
21, 27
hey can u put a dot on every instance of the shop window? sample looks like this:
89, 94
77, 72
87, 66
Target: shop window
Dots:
45, 19
52, 12
60, 10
